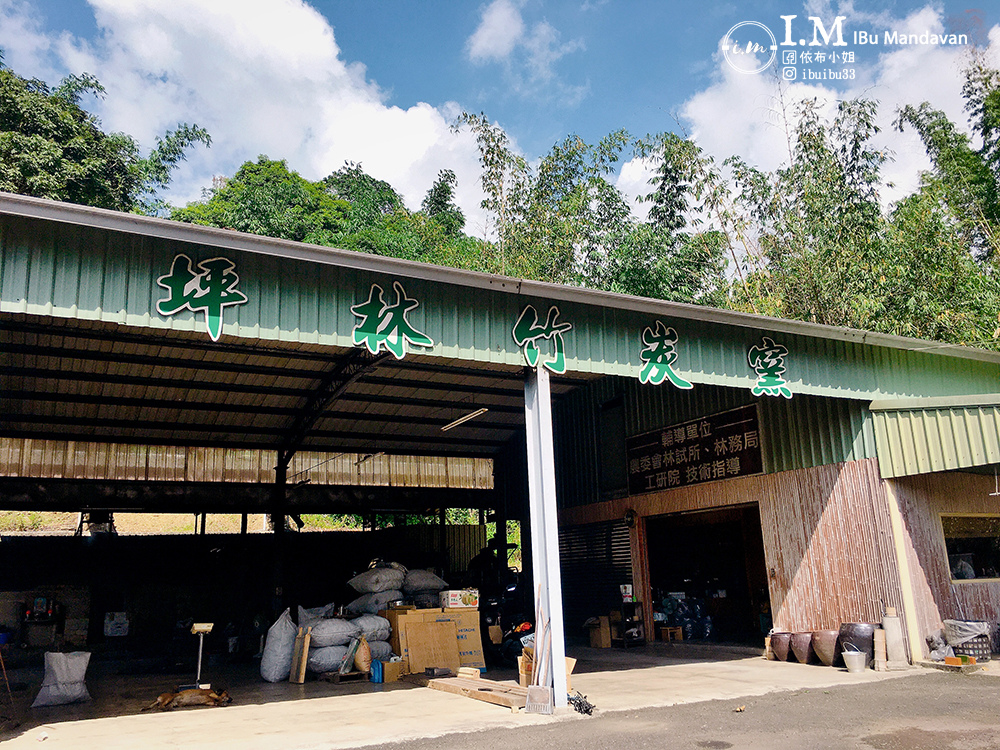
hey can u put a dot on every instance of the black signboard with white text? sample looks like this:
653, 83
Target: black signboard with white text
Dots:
719, 446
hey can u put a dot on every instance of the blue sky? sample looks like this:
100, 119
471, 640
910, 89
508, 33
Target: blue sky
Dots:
379, 81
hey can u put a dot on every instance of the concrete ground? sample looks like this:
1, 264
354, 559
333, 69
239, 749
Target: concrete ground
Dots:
322, 715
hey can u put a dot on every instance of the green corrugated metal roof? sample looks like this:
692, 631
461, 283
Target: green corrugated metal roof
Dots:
66, 261
920, 436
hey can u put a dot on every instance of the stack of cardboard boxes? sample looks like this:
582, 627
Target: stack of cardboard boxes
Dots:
438, 637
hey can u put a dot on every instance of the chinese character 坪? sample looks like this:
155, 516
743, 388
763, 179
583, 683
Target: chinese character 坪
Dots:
210, 290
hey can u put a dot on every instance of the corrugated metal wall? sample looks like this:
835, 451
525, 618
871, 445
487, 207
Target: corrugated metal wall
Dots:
922, 500
68, 271
827, 543
595, 559
70, 460
797, 433
423, 541
924, 440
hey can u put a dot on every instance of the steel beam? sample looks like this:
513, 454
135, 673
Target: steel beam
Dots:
545, 530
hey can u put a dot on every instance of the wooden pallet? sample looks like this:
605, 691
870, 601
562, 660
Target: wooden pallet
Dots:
336, 677
506, 694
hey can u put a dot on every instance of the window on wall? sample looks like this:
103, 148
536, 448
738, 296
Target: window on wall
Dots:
973, 546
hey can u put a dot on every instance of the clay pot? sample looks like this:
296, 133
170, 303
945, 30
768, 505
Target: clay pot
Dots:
824, 643
801, 644
860, 635
780, 643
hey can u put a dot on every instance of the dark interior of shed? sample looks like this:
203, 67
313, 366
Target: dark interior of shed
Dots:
716, 559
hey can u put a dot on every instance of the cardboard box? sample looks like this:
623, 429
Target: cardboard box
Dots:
470, 641
392, 671
455, 598
467, 635
400, 615
600, 634
524, 666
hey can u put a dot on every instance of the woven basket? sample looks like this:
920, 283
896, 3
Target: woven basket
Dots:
978, 647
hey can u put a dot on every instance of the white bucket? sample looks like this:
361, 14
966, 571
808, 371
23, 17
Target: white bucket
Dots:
856, 661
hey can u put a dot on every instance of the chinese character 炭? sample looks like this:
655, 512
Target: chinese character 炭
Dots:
658, 357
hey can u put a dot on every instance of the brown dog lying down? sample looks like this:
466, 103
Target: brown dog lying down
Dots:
194, 697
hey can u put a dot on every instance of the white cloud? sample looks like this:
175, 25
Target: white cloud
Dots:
263, 77
528, 56
500, 29
746, 115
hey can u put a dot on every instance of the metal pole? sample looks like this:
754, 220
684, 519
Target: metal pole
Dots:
545, 526
201, 642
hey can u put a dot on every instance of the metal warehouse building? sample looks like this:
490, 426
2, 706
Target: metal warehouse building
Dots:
794, 474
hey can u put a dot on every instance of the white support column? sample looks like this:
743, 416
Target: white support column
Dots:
545, 526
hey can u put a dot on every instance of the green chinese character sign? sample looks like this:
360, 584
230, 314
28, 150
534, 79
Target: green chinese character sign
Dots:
527, 334
768, 361
658, 357
210, 289
385, 325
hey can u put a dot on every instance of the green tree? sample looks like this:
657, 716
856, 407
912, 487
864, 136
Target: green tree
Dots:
50, 147
968, 178
439, 204
266, 197
821, 247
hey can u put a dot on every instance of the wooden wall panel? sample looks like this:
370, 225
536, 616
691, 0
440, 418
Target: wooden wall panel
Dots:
922, 499
827, 539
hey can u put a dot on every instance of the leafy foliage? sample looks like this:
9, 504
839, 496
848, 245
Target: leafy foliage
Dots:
265, 197
439, 204
50, 147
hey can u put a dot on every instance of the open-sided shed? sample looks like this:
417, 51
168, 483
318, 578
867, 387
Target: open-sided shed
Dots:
137, 331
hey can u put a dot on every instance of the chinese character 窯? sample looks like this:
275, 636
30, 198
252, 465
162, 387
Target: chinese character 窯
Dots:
768, 361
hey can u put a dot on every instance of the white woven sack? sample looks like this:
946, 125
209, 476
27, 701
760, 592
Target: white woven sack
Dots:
333, 632
374, 580
373, 627
326, 659
372, 603
64, 679
423, 580
276, 662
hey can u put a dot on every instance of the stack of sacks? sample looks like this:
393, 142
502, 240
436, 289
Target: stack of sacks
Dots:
328, 639
376, 631
424, 587
377, 586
